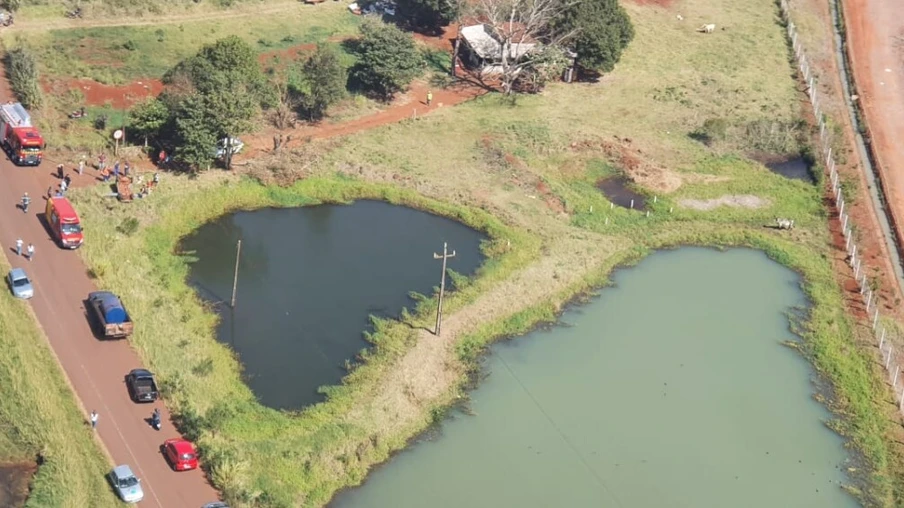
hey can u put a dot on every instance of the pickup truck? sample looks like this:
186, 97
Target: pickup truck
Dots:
141, 385
106, 309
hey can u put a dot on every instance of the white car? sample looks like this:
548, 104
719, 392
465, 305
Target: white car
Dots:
126, 484
235, 143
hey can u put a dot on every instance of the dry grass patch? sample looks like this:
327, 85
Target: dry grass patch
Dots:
736, 201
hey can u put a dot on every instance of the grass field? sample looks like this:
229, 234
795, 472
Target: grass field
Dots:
38, 416
526, 175
122, 54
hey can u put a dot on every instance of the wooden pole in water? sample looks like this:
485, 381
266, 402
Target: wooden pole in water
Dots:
235, 278
442, 287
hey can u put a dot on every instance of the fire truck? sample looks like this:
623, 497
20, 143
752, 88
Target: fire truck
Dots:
19, 139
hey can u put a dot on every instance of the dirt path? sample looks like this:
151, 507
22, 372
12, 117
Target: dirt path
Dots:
875, 37
41, 25
408, 105
95, 369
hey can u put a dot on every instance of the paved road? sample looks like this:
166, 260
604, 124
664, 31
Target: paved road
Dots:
95, 369
875, 37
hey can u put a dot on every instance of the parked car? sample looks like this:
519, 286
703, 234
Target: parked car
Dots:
216, 504
20, 284
142, 386
236, 143
181, 454
126, 484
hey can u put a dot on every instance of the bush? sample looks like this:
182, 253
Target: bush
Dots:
22, 69
388, 59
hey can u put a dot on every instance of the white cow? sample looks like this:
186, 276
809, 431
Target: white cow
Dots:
784, 223
707, 29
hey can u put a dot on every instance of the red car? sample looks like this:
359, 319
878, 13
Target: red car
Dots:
181, 454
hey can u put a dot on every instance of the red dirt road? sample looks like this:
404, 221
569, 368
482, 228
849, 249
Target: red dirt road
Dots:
875, 37
95, 369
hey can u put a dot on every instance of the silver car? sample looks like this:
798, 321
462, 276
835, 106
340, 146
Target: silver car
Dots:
20, 284
126, 484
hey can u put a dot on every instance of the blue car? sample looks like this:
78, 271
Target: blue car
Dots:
20, 284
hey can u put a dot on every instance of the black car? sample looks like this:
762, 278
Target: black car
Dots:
142, 386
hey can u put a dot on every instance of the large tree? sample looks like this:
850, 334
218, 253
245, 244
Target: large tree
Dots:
322, 82
147, 118
601, 31
221, 89
428, 15
388, 59
524, 31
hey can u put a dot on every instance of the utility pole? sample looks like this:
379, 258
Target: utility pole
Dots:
442, 287
235, 278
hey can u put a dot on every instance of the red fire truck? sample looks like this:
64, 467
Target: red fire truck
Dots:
21, 141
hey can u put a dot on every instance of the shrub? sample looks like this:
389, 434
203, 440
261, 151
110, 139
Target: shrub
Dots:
23, 76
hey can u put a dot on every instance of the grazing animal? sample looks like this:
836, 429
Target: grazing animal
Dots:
680, 17
707, 29
784, 223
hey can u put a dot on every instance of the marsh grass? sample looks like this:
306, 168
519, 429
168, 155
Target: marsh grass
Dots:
39, 417
483, 163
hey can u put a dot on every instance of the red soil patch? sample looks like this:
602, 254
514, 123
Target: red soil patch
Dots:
279, 57
444, 41
406, 106
99, 94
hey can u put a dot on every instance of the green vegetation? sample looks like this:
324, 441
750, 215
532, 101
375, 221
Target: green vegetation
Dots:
388, 60
23, 77
217, 93
123, 54
525, 174
428, 15
39, 417
601, 31
320, 83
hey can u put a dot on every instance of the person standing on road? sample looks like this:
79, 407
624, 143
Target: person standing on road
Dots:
81, 166
101, 162
25, 202
63, 187
30, 252
19, 244
60, 171
430, 97
93, 419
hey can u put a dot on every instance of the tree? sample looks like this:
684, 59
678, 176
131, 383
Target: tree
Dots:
22, 68
195, 138
148, 117
523, 29
221, 87
323, 80
388, 59
602, 30
430, 15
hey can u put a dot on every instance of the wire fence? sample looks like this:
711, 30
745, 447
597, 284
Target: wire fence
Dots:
887, 353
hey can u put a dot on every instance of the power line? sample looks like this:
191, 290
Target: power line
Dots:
561, 434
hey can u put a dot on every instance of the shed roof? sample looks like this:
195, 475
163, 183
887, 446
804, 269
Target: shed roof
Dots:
481, 39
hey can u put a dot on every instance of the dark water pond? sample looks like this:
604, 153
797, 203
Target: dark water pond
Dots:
308, 280
617, 189
796, 169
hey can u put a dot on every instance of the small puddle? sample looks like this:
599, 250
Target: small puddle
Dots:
795, 169
14, 483
617, 189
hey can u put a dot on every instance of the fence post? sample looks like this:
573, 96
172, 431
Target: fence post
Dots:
876, 318
882, 339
